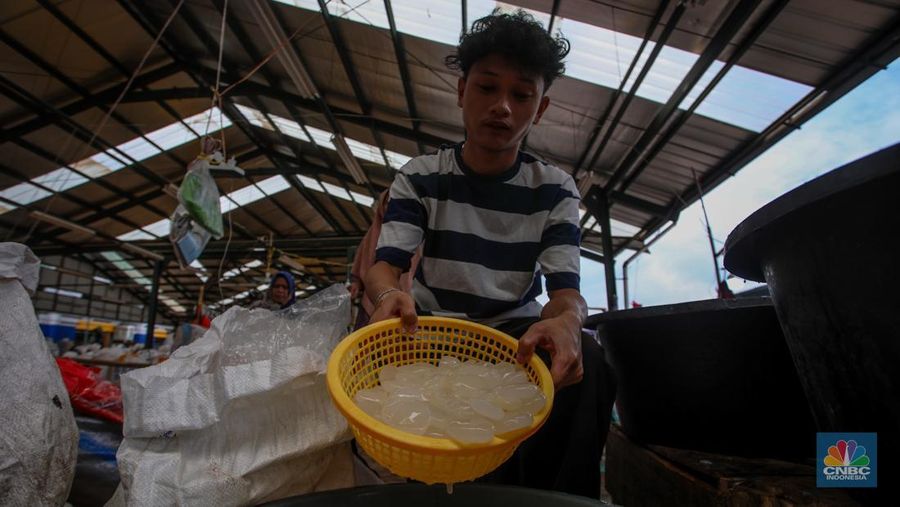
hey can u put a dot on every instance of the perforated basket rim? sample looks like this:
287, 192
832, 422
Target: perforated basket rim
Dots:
363, 422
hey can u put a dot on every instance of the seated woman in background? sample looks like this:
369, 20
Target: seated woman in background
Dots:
282, 293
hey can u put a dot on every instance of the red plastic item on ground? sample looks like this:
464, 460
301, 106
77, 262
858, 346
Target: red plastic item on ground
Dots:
89, 393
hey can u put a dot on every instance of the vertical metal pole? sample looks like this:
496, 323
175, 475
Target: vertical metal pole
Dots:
612, 298
151, 313
58, 284
465, 15
91, 293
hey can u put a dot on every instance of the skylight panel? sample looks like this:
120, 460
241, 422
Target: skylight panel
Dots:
322, 137
112, 160
203, 272
310, 183
126, 268
231, 273
365, 200
273, 185
226, 204
93, 167
364, 151
138, 149
60, 179
397, 160
336, 191
255, 117
160, 228
24, 193
212, 120
437, 20
135, 235
152, 231
290, 128
172, 135
246, 195
745, 98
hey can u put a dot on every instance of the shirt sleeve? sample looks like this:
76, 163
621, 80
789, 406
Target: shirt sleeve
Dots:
560, 257
404, 224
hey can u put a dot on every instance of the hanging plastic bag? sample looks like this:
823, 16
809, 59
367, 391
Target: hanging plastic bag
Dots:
242, 415
188, 238
38, 439
199, 195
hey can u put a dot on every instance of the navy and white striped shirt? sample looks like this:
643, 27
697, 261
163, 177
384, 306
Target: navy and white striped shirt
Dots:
487, 239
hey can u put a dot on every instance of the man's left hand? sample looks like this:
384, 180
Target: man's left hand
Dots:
561, 336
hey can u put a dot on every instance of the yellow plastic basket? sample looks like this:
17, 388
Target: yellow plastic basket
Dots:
358, 359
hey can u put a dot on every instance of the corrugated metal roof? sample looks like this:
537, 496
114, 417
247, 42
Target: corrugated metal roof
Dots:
65, 64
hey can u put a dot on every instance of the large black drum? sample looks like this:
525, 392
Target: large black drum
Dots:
714, 376
829, 252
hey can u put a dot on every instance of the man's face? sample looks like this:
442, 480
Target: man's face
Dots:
500, 103
280, 293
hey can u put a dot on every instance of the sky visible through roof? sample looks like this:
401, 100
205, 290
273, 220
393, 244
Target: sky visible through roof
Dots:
745, 98
679, 267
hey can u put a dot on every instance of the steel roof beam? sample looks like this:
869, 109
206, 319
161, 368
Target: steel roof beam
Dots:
109, 275
400, 52
239, 32
307, 246
148, 25
245, 127
106, 96
238, 119
883, 48
735, 21
120, 193
350, 70
553, 13
77, 130
250, 88
660, 43
100, 50
682, 116
72, 85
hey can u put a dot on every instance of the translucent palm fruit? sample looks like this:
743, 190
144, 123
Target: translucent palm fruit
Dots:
469, 402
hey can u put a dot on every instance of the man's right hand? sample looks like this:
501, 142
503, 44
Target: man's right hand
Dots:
397, 304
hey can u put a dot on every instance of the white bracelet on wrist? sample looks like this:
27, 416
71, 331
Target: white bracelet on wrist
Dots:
384, 293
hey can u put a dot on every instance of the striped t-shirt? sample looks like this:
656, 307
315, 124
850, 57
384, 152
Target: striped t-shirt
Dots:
487, 239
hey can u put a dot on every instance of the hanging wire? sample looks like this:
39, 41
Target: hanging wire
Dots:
109, 113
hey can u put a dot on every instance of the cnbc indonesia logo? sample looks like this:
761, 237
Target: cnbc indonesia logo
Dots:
847, 461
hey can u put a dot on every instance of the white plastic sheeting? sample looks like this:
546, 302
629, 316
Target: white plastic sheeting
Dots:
38, 436
242, 415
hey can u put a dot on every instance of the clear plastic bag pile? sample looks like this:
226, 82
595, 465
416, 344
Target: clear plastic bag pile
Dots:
240, 416
469, 402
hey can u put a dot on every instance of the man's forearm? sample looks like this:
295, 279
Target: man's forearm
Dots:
381, 277
568, 303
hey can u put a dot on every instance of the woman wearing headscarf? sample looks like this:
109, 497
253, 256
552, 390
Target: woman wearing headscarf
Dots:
281, 294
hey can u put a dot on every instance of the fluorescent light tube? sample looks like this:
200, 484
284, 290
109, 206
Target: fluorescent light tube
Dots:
50, 219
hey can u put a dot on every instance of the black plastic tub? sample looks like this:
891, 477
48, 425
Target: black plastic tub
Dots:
464, 495
714, 376
829, 251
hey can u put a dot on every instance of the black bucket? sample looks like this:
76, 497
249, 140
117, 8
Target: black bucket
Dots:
464, 495
829, 252
713, 376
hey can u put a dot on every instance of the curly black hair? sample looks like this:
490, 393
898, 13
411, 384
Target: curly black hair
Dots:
518, 37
